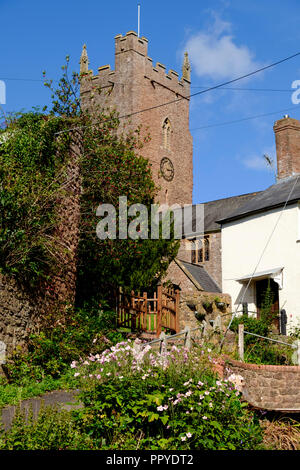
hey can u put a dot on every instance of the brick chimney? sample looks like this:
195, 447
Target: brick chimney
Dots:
287, 138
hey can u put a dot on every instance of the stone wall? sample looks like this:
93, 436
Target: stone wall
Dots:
18, 315
266, 386
175, 273
214, 265
193, 302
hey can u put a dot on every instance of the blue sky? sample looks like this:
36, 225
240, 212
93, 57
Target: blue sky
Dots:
225, 39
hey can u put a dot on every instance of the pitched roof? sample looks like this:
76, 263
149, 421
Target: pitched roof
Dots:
221, 208
200, 275
287, 189
208, 213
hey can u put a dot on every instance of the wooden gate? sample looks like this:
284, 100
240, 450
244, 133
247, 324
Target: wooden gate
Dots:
150, 314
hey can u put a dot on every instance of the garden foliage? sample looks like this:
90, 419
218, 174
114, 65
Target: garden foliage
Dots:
140, 399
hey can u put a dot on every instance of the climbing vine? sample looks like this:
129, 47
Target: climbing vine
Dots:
32, 174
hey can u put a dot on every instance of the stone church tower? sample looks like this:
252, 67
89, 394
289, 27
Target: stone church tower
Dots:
137, 89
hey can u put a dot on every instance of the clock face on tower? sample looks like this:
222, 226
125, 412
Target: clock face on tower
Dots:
167, 169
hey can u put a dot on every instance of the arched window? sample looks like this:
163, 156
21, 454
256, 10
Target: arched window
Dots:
166, 134
203, 253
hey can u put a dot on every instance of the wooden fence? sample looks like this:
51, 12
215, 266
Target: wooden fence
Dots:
150, 314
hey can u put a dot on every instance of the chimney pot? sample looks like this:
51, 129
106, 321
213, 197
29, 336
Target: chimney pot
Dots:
287, 138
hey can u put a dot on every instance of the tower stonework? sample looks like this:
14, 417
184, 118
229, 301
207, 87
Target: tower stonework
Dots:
136, 85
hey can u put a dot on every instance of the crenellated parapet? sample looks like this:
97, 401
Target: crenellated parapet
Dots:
131, 58
129, 42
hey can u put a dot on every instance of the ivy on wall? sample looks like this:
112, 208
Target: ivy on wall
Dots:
32, 174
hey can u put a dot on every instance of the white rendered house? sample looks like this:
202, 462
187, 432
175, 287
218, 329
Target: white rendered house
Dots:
261, 239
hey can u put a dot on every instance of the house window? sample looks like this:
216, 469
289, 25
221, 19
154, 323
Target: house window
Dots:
203, 253
166, 134
200, 251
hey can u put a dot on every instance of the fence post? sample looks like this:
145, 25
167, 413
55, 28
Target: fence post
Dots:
131, 317
187, 337
241, 341
119, 306
163, 342
177, 293
144, 312
298, 353
159, 312
137, 348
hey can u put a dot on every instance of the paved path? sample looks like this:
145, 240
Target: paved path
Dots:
62, 398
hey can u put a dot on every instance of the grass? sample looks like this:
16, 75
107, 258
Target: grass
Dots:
281, 434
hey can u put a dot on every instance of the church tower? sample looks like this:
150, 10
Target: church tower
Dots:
137, 89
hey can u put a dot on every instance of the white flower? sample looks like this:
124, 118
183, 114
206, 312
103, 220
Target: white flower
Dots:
188, 434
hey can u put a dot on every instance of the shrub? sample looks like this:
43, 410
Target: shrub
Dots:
258, 350
51, 352
251, 324
53, 429
165, 401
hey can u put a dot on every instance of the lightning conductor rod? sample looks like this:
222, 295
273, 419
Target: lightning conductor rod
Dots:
139, 19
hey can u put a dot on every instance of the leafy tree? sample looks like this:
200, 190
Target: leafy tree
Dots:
111, 168
34, 153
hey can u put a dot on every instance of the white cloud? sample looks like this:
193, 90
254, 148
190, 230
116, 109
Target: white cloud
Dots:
258, 162
215, 54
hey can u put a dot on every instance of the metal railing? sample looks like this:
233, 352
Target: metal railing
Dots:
241, 343
163, 338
